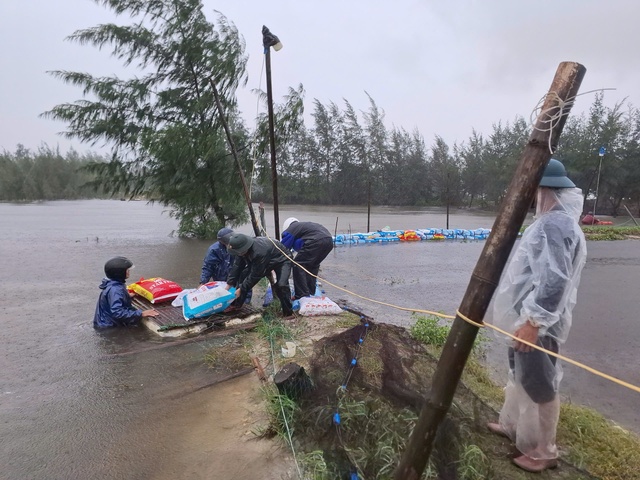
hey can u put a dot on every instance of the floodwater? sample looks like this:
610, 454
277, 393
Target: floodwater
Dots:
72, 406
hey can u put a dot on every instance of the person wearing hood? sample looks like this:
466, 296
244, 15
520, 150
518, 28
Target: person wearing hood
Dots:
313, 243
114, 307
260, 256
217, 261
534, 302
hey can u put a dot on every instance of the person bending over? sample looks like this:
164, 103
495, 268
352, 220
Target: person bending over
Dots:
260, 256
313, 243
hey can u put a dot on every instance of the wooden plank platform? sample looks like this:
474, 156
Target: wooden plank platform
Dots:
171, 323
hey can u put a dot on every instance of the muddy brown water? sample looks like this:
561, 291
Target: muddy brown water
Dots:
70, 407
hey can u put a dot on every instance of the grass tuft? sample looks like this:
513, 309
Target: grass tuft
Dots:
429, 330
281, 411
604, 232
474, 464
594, 443
231, 356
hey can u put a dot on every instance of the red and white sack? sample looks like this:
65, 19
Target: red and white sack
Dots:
156, 290
313, 306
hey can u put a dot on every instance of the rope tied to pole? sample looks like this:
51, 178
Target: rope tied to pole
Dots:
550, 117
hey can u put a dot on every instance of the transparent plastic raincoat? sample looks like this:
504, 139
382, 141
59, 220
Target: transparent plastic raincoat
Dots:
540, 285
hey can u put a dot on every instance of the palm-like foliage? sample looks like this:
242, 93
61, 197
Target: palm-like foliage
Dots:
162, 125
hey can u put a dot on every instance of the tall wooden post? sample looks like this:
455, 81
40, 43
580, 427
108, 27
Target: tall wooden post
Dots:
268, 40
369, 205
486, 274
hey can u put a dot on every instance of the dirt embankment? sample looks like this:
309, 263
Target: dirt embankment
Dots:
377, 399
379, 406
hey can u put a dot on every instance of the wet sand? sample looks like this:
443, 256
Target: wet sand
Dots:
213, 436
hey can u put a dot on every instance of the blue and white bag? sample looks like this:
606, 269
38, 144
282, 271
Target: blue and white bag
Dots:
201, 304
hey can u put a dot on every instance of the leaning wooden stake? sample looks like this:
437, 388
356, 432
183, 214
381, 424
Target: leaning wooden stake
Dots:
232, 145
634, 220
486, 275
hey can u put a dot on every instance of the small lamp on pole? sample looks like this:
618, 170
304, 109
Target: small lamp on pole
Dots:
601, 153
270, 40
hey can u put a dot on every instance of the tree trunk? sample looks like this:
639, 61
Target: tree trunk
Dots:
292, 381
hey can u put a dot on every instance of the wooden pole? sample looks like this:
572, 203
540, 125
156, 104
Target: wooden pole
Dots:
448, 175
272, 143
262, 219
369, 205
232, 145
486, 274
595, 201
634, 220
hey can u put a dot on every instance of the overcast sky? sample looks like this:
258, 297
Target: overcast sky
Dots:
444, 67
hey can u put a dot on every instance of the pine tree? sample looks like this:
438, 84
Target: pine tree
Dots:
162, 126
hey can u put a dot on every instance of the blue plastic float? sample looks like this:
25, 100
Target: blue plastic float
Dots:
420, 234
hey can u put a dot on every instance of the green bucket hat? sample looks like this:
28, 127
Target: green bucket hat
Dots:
239, 243
555, 176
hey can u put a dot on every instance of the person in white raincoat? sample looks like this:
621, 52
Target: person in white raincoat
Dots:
534, 301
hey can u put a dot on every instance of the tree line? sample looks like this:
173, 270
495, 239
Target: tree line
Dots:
348, 159
46, 174
168, 141
343, 160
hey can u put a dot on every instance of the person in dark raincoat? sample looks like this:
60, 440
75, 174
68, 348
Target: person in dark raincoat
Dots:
313, 243
217, 262
114, 307
260, 256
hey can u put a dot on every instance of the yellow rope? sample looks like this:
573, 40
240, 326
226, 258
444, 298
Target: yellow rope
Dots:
553, 354
475, 324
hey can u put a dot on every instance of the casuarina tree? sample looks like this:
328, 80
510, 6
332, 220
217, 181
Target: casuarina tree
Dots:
161, 124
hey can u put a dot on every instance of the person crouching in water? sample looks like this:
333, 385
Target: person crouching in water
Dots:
260, 256
534, 302
114, 307
313, 243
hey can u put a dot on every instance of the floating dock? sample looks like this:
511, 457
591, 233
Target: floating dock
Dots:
171, 323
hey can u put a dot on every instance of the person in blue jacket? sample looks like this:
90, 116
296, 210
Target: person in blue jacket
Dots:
114, 307
217, 262
313, 243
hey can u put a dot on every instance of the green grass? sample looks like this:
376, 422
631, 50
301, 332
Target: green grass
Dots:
594, 443
272, 329
429, 330
474, 463
587, 439
231, 356
347, 320
609, 232
315, 467
433, 332
281, 411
